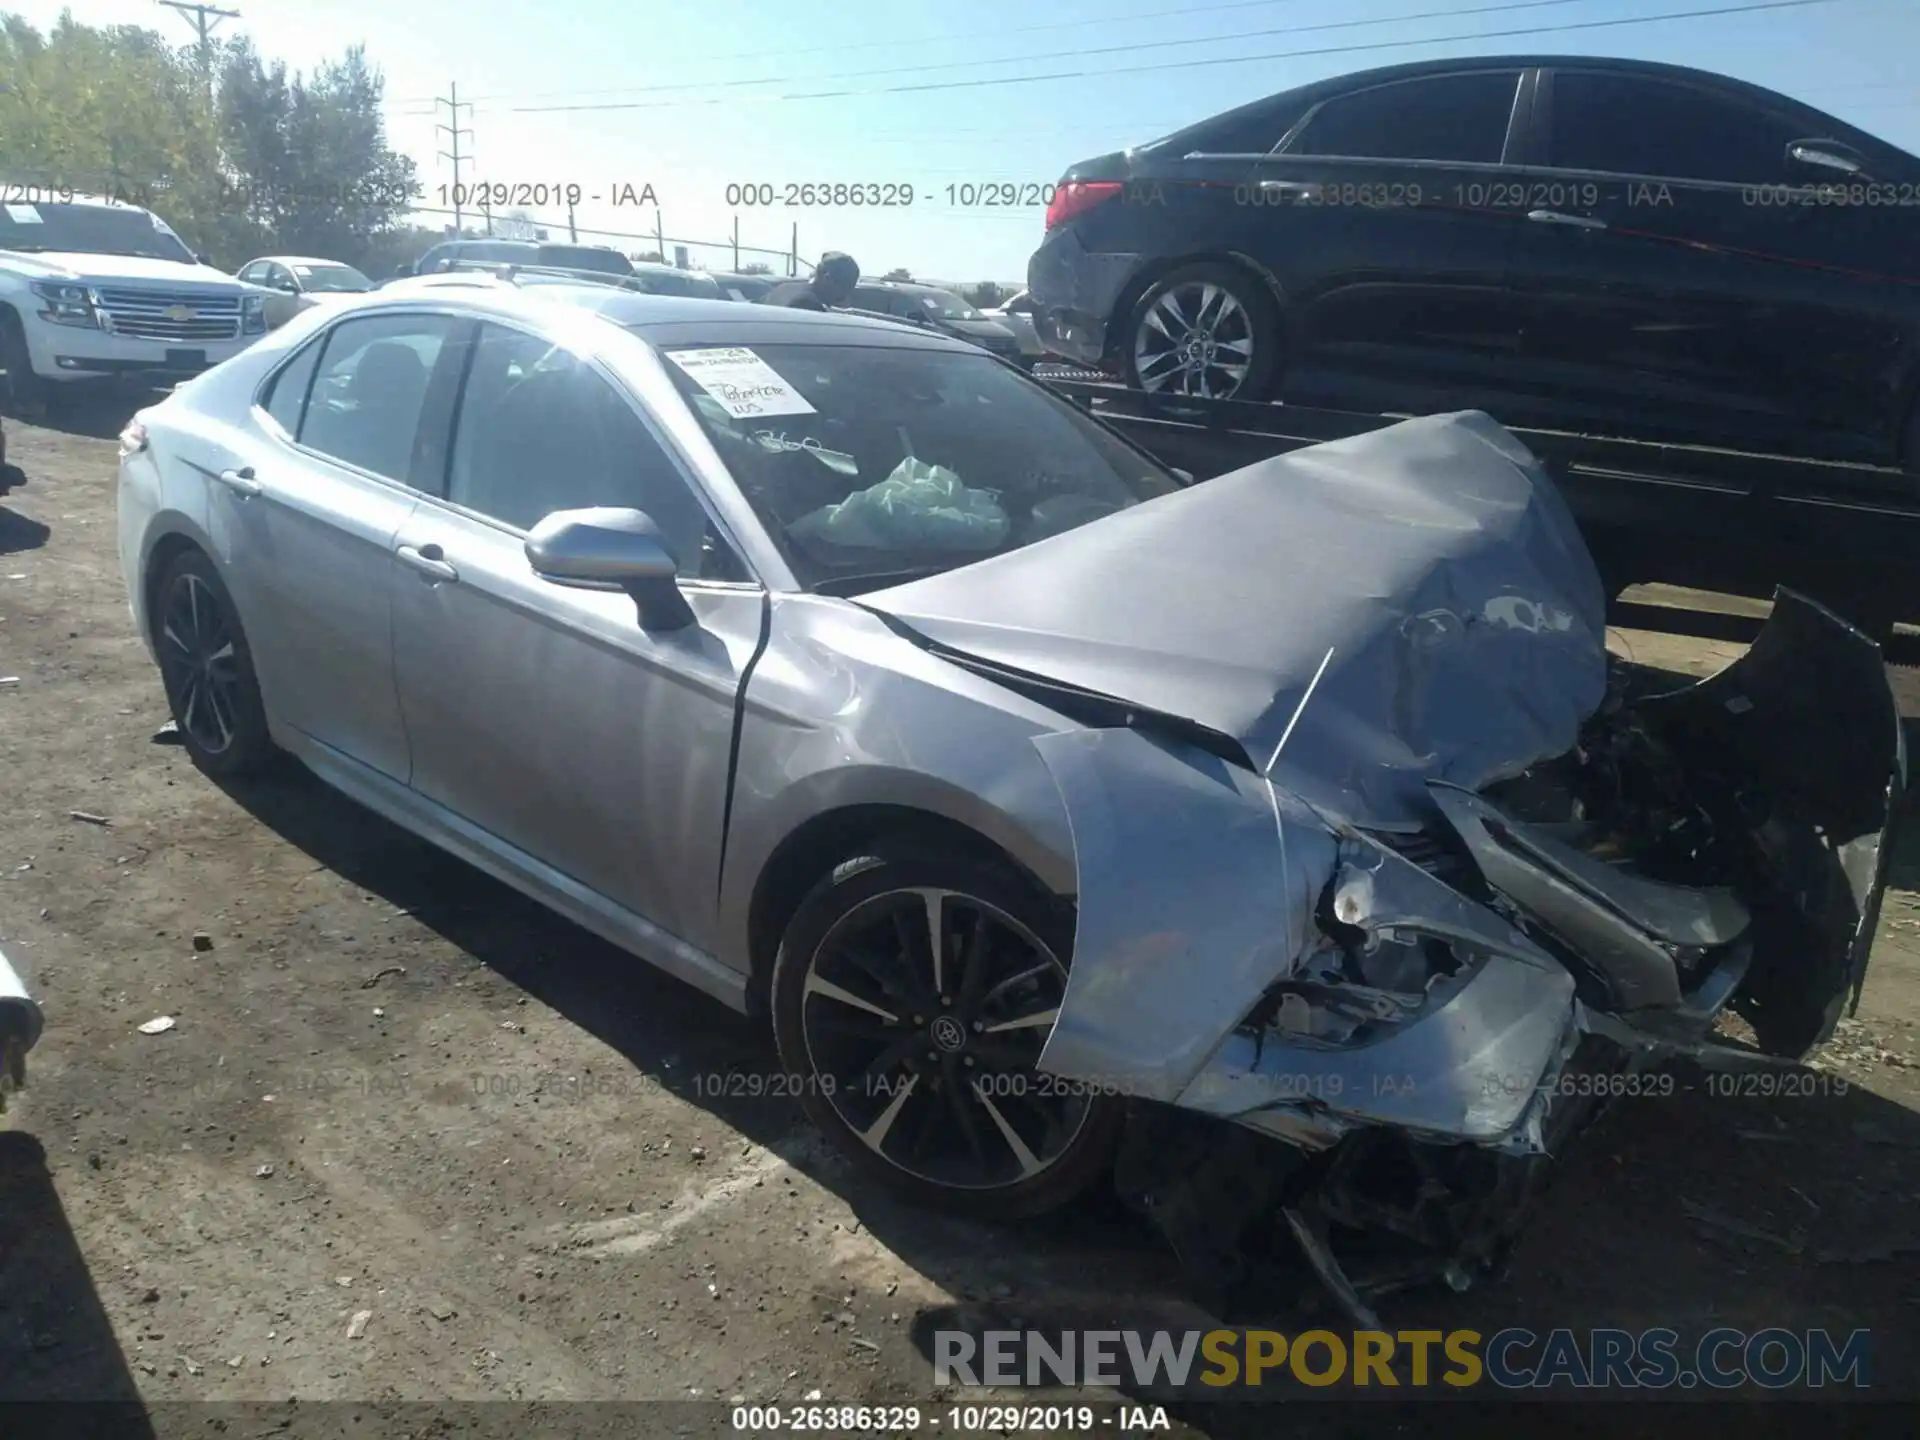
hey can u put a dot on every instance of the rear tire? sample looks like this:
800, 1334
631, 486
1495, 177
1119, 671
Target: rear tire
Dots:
938, 1101
207, 670
1206, 331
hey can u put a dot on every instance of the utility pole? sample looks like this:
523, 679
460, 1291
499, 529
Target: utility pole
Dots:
572, 234
203, 18
454, 132
736, 244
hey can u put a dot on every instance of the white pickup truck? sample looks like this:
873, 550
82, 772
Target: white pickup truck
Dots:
94, 289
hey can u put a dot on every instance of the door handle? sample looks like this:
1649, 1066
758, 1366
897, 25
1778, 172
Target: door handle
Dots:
430, 560
1556, 217
241, 482
1296, 189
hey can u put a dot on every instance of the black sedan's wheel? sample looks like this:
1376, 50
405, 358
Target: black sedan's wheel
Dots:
1205, 330
208, 670
912, 997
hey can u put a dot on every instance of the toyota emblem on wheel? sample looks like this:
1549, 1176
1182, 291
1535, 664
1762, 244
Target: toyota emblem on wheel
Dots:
948, 1033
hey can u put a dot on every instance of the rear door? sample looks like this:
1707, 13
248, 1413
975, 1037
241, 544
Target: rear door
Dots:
305, 513
1375, 211
1681, 281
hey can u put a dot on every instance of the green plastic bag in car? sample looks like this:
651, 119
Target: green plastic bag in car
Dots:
918, 507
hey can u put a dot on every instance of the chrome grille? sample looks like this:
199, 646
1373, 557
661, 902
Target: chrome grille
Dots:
145, 315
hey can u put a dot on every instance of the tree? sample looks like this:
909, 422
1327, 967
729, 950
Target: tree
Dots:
308, 159
517, 225
756, 267
900, 274
264, 161
986, 295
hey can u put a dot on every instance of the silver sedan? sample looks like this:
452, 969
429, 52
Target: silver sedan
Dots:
863, 682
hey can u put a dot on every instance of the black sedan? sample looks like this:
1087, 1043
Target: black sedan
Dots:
1570, 243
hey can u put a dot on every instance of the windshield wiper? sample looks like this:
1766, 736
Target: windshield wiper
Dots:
26, 249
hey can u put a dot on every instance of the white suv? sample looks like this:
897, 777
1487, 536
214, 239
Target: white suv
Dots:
93, 288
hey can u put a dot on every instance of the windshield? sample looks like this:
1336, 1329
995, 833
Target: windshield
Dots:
681, 282
870, 465
331, 277
90, 229
946, 307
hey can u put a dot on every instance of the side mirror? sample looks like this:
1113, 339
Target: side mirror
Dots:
288, 286
1828, 158
403, 269
608, 548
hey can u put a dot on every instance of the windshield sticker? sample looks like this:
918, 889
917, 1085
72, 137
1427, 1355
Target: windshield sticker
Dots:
24, 215
741, 381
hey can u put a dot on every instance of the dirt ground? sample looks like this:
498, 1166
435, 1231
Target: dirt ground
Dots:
395, 1090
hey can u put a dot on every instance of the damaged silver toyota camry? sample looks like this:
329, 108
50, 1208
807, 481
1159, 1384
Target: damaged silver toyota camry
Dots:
1282, 847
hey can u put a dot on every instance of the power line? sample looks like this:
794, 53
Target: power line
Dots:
452, 102
1449, 13
204, 17
923, 88
898, 43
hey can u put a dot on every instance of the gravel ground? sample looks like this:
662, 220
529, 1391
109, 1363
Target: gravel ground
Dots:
411, 1138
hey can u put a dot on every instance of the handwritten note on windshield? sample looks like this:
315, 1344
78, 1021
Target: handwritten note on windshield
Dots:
741, 381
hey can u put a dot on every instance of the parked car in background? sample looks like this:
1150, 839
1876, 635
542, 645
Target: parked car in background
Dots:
296, 282
95, 290
932, 308
1569, 242
1016, 313
741, 286
602, 258
657, 279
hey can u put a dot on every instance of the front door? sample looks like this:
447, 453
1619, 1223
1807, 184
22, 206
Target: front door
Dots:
546, 716
1672, 291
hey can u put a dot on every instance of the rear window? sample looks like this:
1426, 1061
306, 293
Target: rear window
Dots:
870, 464
586, 257
1460, 118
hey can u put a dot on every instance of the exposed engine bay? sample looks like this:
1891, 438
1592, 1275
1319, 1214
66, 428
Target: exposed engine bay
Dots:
1462, 991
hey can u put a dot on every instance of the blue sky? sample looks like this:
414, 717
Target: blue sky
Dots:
700, 83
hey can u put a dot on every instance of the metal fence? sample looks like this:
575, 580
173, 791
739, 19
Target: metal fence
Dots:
707, 254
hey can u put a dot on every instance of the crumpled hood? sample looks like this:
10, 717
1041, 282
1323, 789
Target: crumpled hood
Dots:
1434, 558
114, 269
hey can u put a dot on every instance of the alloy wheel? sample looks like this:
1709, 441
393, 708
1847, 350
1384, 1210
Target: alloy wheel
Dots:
1195, 339
924, 1013
200, 664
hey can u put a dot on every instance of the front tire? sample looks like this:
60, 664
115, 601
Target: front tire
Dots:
25, 394
1205, 330
912, 995
207, 669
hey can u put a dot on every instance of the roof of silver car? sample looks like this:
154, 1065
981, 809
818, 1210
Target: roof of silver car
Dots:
678, 319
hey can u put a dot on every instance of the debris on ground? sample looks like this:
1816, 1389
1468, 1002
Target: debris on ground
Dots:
358, 1325
202, 940
88, 817
159, 1025
379, 975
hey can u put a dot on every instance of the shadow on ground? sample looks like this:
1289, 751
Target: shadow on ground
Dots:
56, 1342
18, 533
672, 1034
1709, 1204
